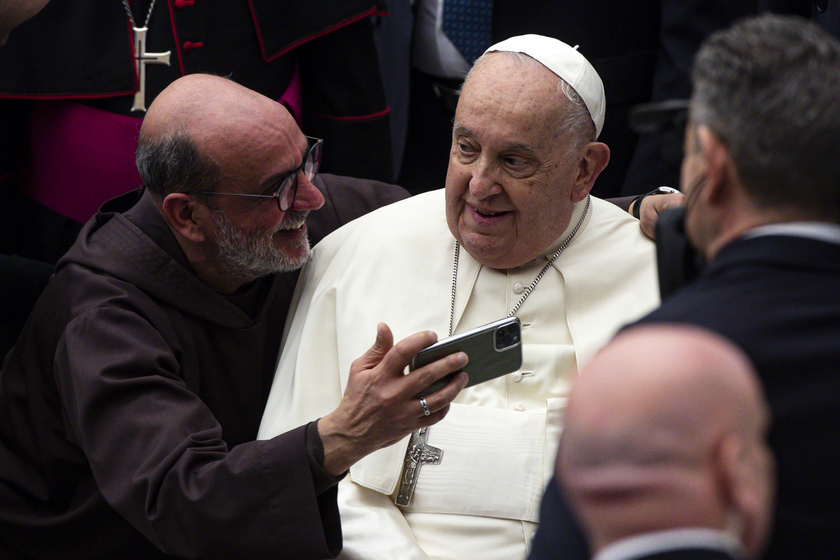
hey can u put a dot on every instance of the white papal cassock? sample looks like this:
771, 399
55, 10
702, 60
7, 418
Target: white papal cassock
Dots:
499, 438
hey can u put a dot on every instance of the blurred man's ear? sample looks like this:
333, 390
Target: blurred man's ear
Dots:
747, 473
717, 162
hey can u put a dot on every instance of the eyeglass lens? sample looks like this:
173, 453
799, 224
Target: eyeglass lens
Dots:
288, 191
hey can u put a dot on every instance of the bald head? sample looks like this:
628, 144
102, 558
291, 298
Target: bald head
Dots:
215, 124
665, 428
204, 106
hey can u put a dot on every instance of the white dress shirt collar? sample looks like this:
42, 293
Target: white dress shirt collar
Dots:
674, 539
822, 231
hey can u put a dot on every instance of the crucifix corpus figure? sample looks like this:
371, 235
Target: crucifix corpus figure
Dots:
419, 453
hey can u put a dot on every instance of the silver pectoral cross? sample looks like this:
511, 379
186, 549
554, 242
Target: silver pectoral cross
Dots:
141, 59
419, 453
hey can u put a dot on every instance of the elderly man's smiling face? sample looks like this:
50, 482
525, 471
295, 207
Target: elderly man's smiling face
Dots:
512, 184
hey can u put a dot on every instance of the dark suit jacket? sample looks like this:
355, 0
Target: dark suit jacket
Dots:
778, 298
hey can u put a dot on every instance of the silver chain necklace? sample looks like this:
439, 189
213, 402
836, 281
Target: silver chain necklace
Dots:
533, 284
131, 15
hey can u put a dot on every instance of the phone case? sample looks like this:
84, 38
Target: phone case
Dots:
494, 349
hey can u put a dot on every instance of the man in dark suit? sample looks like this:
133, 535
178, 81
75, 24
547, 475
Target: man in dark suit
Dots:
664, 454
762, 183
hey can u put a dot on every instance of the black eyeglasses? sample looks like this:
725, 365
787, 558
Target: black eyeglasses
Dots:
287, 191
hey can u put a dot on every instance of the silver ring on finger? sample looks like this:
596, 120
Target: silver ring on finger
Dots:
426, 410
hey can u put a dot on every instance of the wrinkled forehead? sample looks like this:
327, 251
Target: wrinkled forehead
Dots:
567, 63
503, 97
250, 140
243, 122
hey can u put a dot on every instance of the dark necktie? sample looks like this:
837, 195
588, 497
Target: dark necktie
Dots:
467, 24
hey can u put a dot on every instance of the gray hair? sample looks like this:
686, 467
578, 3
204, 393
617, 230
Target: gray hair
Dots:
171, 163
769, 87
574, 120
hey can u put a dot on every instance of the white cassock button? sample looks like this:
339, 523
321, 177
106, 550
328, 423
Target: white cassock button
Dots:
517, 376
519, 408
518, 288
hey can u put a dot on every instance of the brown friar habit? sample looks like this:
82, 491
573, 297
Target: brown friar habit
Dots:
130, 405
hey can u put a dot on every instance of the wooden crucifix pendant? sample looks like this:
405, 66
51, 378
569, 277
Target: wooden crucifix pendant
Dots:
141, 59
419, 453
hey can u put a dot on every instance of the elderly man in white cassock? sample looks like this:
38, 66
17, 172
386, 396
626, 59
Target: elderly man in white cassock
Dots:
515, 231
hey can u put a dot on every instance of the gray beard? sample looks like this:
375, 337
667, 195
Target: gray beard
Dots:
244, 258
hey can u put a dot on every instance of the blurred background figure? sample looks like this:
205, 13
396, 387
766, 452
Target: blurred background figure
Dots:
15, 12
21, 279
665, 451
75, 81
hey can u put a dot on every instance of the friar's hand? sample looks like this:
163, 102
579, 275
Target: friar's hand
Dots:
379, 406
652, 206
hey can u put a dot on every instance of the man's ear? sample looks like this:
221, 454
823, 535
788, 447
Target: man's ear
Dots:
718, 161
595, 158
746, 475
184, 215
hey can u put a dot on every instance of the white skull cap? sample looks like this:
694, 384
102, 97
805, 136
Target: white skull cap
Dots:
567, 63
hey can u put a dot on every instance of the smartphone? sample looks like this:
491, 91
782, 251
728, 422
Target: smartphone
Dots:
494, 349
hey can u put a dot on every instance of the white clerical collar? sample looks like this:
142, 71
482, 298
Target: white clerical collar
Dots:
674, 539
823, 231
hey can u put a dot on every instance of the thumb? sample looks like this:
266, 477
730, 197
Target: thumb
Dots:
384, 341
